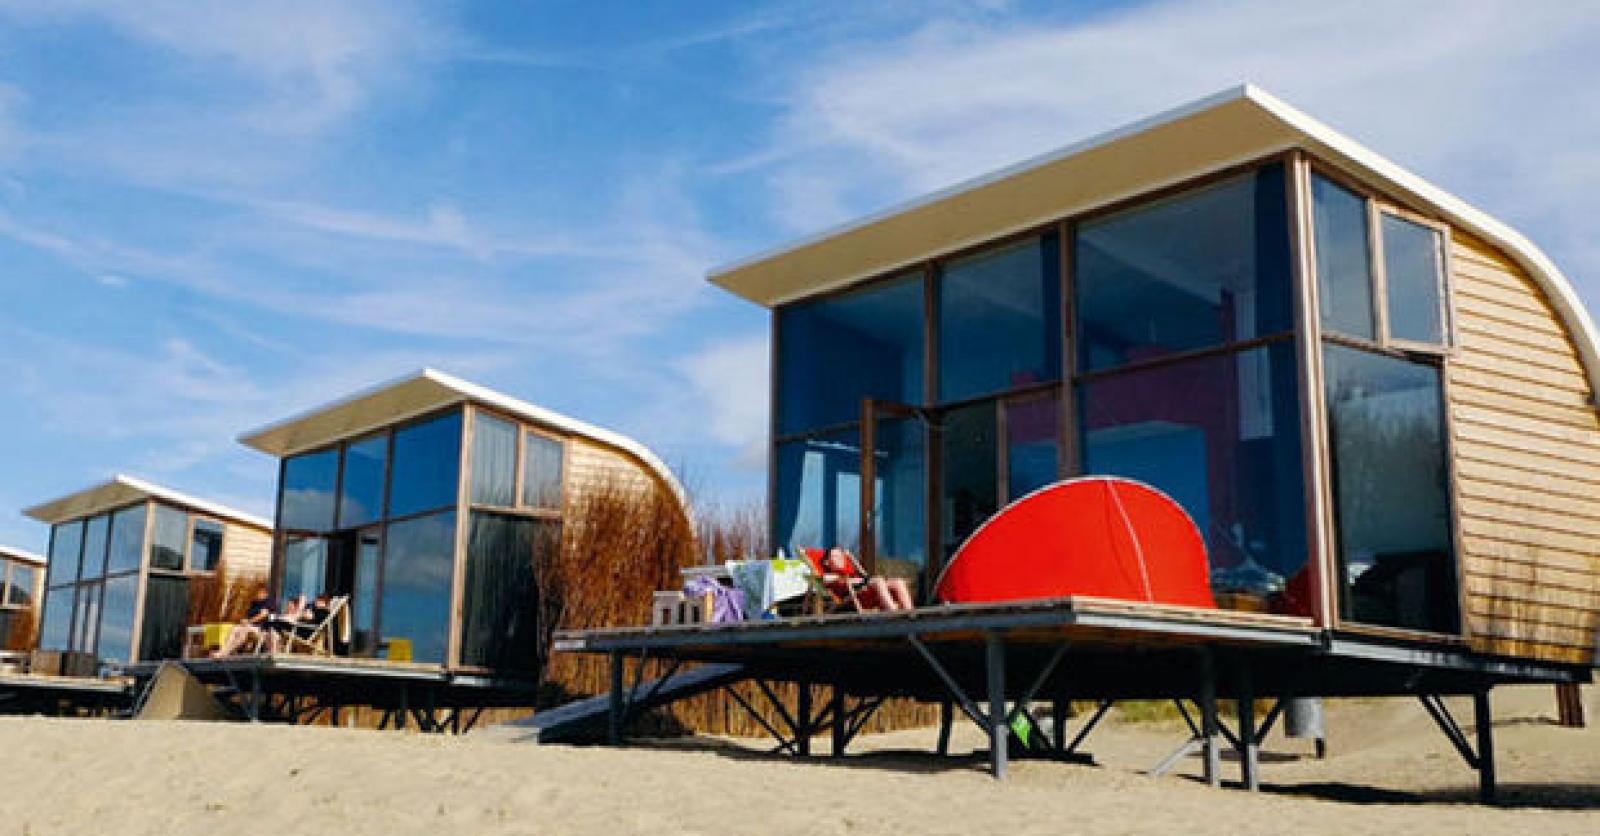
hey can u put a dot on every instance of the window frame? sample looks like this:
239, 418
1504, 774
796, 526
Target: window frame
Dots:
524, 428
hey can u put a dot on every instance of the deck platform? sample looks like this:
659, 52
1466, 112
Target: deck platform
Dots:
993, 662
304, 689
29, 693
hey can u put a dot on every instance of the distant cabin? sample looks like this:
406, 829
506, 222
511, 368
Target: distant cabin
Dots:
435, 504
21, 592
132, 564
1376, 401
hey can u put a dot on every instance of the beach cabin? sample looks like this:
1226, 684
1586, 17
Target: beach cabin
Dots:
434, 506
1376, 402
21, 591
131, 565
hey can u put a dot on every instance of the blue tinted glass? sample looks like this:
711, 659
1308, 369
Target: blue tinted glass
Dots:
1413, 275
57, 626
361, 495
1391, 485
427, 466
494, 461
900, 500
1221, 436
1000, 320
96, 538
168, 538
418, 572
127, 539
116, 619
305, 567
1344, 263
971, 478
307, 498
541, 472
1033, 446
819, 493
66, 546
835, 351
1203, 268
20, 592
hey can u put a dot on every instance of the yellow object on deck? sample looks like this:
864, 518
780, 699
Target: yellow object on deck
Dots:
202, 640
399, 650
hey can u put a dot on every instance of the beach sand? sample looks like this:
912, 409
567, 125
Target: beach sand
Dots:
1389, 772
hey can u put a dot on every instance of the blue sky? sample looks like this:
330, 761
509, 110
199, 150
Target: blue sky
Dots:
216, 213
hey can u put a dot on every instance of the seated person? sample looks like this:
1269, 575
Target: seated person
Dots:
254, 625
311, 617
840, 576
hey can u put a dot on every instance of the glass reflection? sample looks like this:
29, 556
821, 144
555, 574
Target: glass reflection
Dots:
116, 618
1391, 484
418, 573
168, 537
87, 623
541, 472
900, 499
305, 566
494, 460
1344, 260
166, 609
1413, 275
1033, 446
66, 546
96, 538
971, 484
837, 350
56, 629
1000, 320
427, 466
127, 540
1204, 268
501, 594
819, 492
361, 495
1221, 436
20, 593
307, 499
205, 548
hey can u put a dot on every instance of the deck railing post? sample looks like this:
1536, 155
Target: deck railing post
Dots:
1208, 719
1249, 765
614, 701
999, 729
1484, 719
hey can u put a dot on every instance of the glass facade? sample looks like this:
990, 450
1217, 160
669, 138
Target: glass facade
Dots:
501, 596
168, 538
418, 573
542, 468
1187, 377
494, 461
361, 488
306, 498
166, 612
205, 545
427, 466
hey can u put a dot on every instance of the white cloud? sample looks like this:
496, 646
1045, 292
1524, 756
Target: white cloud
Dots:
1489, 98
729, 395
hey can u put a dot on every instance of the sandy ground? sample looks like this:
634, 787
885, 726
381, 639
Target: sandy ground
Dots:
1389, 772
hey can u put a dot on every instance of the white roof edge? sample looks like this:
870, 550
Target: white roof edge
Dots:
1242, 91
470, 391
152, 490
21, 554
1563, 296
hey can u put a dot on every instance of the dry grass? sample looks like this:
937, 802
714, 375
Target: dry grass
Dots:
221, 598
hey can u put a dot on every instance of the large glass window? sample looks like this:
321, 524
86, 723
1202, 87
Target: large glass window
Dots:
166, 611
819, 492
86, 627
1344, 258
127, 539
56, 629
427, 466
1413, 272
96, 537
20, 593
168, 538
900, 498
66, 547
309, 483
541, 471
500, 610
494, 461
305, 566
361, 492
116, 618
205, 549
1391, 484
1000, 319
837, 350
1220, 435
418, 573
1033, 445
969, 437
1205, 268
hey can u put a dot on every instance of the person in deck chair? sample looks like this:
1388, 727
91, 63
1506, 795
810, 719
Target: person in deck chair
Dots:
254, 626
840, 575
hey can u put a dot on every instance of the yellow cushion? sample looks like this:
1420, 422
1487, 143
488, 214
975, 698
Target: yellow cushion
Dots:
399, 650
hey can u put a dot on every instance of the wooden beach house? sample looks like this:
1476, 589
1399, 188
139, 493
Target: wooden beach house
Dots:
21, 591
1376, 401
434, 505
131, 565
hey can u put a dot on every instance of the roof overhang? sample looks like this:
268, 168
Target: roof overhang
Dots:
1210, 134
124, 490
13, 553
419, 393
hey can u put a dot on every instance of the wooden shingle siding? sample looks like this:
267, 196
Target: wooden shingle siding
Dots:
246, 551
1527, 445
590, 465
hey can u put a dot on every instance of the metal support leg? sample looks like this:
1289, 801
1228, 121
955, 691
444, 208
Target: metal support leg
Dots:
1208, 719
614, 704
840, 733
947, 720
1249, 741
1058, 721
1484, 719
802, 732
999, 730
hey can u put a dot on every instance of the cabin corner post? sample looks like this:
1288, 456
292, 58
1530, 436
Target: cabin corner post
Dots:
458, 563
1313, 409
